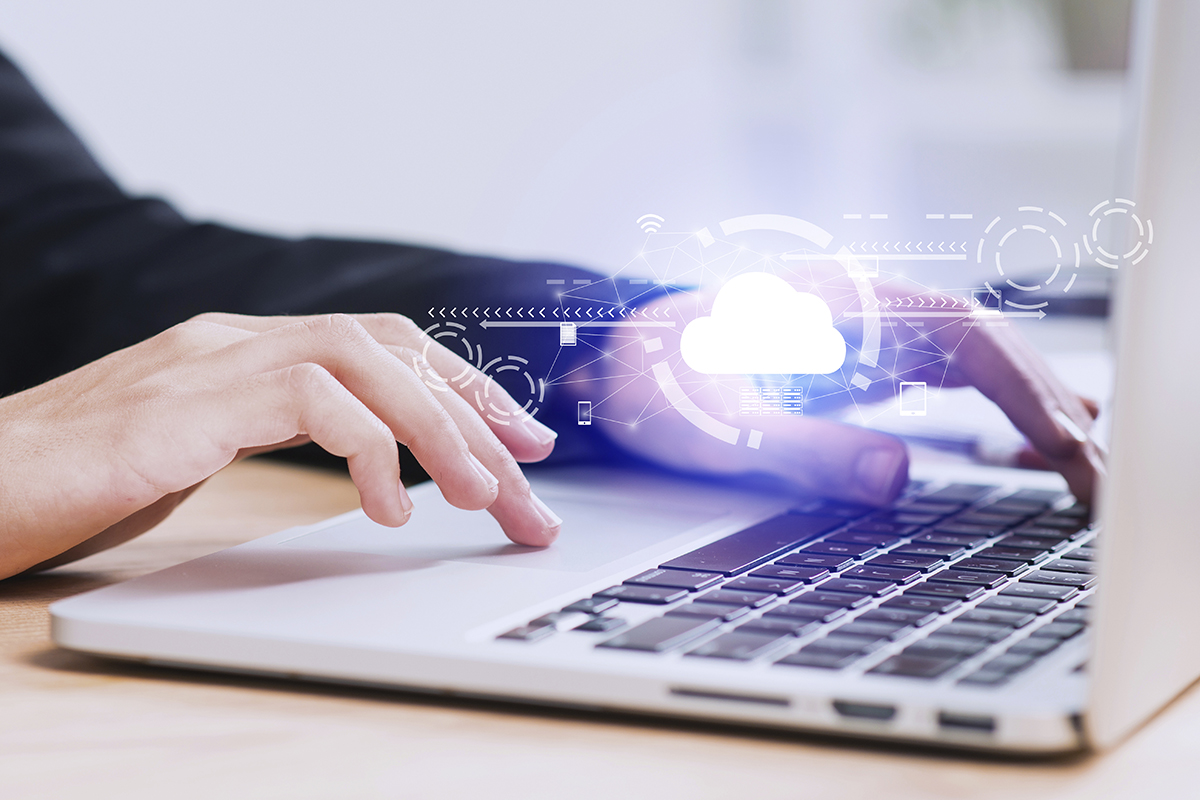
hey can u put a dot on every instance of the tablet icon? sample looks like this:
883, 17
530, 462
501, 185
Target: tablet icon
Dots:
914, 398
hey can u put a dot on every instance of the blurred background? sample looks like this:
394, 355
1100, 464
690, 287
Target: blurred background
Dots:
545, 129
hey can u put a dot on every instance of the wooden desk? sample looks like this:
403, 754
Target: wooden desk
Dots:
74, 726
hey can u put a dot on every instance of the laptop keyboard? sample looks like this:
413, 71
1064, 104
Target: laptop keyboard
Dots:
958, 582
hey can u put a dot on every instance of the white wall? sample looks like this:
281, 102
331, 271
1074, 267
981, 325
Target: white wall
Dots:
545, 128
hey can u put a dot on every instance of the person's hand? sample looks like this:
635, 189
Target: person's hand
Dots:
835, 459
103, 453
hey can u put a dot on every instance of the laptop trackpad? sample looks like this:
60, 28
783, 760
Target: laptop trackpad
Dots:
594, 533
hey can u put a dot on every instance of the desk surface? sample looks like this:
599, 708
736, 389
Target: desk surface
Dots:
73, 726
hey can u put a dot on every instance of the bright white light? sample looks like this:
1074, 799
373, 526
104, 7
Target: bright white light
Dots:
761, 325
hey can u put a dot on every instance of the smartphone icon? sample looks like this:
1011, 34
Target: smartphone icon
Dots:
914, 397
585, 412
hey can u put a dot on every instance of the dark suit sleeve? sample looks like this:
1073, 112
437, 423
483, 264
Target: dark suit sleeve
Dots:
86, 269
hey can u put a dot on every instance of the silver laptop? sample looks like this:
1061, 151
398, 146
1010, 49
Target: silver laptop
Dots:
968, 614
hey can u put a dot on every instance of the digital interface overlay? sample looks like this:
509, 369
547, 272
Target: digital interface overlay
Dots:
771, 315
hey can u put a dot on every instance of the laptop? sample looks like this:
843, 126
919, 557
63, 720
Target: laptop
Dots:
982, 610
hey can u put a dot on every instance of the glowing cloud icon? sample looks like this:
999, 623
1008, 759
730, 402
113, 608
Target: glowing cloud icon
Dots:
761, 325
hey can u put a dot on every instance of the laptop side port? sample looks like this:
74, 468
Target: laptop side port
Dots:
967, 722
848, 708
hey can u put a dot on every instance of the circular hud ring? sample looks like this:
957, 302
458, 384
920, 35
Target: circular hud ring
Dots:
1141, 243
529, 392
1039, 222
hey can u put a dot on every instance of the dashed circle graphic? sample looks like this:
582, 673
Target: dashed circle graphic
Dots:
529, 392
452, 336
1039, 221
1141, 245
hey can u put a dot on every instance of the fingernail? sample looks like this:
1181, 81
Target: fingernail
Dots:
488, 478
543, 433
552, 520
1068, 426
878, 472
406, 503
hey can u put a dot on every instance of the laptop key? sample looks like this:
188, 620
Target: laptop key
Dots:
819, 659
958, 646
904, 616
1074, 615
820, 613
945, 537
916, 666
1022, 554
1031, 605
601, 624
985, 678
988, 580
935, 604
1081, 554
997, 616
755, 545
1035, 646
855, 551
1010, 663
854, 536
874, 572
1010, 508
1066, 565
1003, 566
928, 549
1036, 530
1061, 579
883, 527
1043, 498
675, 578
771, 585
916, 563
919, 506
652, 595
832, 563
661, 634
904, 516
871, 571
1040, 591
959, 591
822, 597
975, 630
992, 522
834, 508
532, 632
740, 645
858, 586
737, 598
837, 642
591, 605
1066, 524
803, 574
717, 611
1058, 630
1077, 511
793, 626
963, 493
1032, 542
876, 628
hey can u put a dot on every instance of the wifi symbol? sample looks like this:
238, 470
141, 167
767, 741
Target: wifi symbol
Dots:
650, 222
